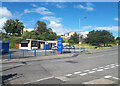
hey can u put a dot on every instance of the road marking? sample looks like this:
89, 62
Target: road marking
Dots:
44, 79
92, 71
40, 80
106, 68
101, 67
82, 74
117, 65
116, 78
109, 76
112, 66
94, 68
100, 70
86, 70
107, 65
77, 72
68, 74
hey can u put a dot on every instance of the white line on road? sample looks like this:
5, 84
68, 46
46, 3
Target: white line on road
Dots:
115, 78
106, 68
82, 74
40, 80
86, 70
94, 68
68, 74
112, 66
101, 67
77, 72
107, 65
109, 76
100, 70
92, 71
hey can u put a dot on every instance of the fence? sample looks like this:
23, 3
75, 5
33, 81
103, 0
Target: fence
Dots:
30, 53
4, 47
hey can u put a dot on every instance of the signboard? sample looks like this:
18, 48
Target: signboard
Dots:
59, 44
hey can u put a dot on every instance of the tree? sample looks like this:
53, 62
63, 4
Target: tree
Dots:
13, 27
74, 39
99, 37
41, 26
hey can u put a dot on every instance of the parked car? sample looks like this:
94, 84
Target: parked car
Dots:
54, 47
69, 47
73, 47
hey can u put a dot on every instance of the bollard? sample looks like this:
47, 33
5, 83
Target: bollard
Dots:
69, 50
53, 52
45, 52
34, 52
23, 53
61, 52
10, 54
74, 50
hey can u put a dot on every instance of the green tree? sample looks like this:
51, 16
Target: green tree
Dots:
13, 27
74, 39
41, 26
100, 37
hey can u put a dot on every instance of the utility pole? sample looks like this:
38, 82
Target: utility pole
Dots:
79, 35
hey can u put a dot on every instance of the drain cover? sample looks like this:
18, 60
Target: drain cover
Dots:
72, 61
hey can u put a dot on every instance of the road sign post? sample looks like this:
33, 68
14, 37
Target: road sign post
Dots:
59, 45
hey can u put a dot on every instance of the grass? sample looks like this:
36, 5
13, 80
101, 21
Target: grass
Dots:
88, 46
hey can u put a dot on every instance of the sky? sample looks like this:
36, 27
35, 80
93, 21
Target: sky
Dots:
64, 17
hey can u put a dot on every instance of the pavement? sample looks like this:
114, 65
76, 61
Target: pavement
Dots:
93, 67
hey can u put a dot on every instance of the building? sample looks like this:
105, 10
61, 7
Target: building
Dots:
30, 44
24, 30
68, 35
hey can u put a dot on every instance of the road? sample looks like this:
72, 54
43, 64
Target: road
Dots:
100, 67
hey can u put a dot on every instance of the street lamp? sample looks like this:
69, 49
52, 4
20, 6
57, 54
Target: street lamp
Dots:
79, 33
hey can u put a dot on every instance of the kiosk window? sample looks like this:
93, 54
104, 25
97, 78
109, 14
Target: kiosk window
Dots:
24, 44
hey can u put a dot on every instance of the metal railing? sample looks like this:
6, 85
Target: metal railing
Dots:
31, 53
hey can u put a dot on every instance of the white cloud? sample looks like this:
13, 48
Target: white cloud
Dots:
58, 28
29, 29
88, 7
89, 4
116, 19
34, 5
113, 28
51, 18
58, 5
85, 28
41, 10
2, 22
4, 12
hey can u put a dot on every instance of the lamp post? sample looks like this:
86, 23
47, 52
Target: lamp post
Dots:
79, 33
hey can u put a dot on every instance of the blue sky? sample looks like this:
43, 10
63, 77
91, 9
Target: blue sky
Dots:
64, 17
